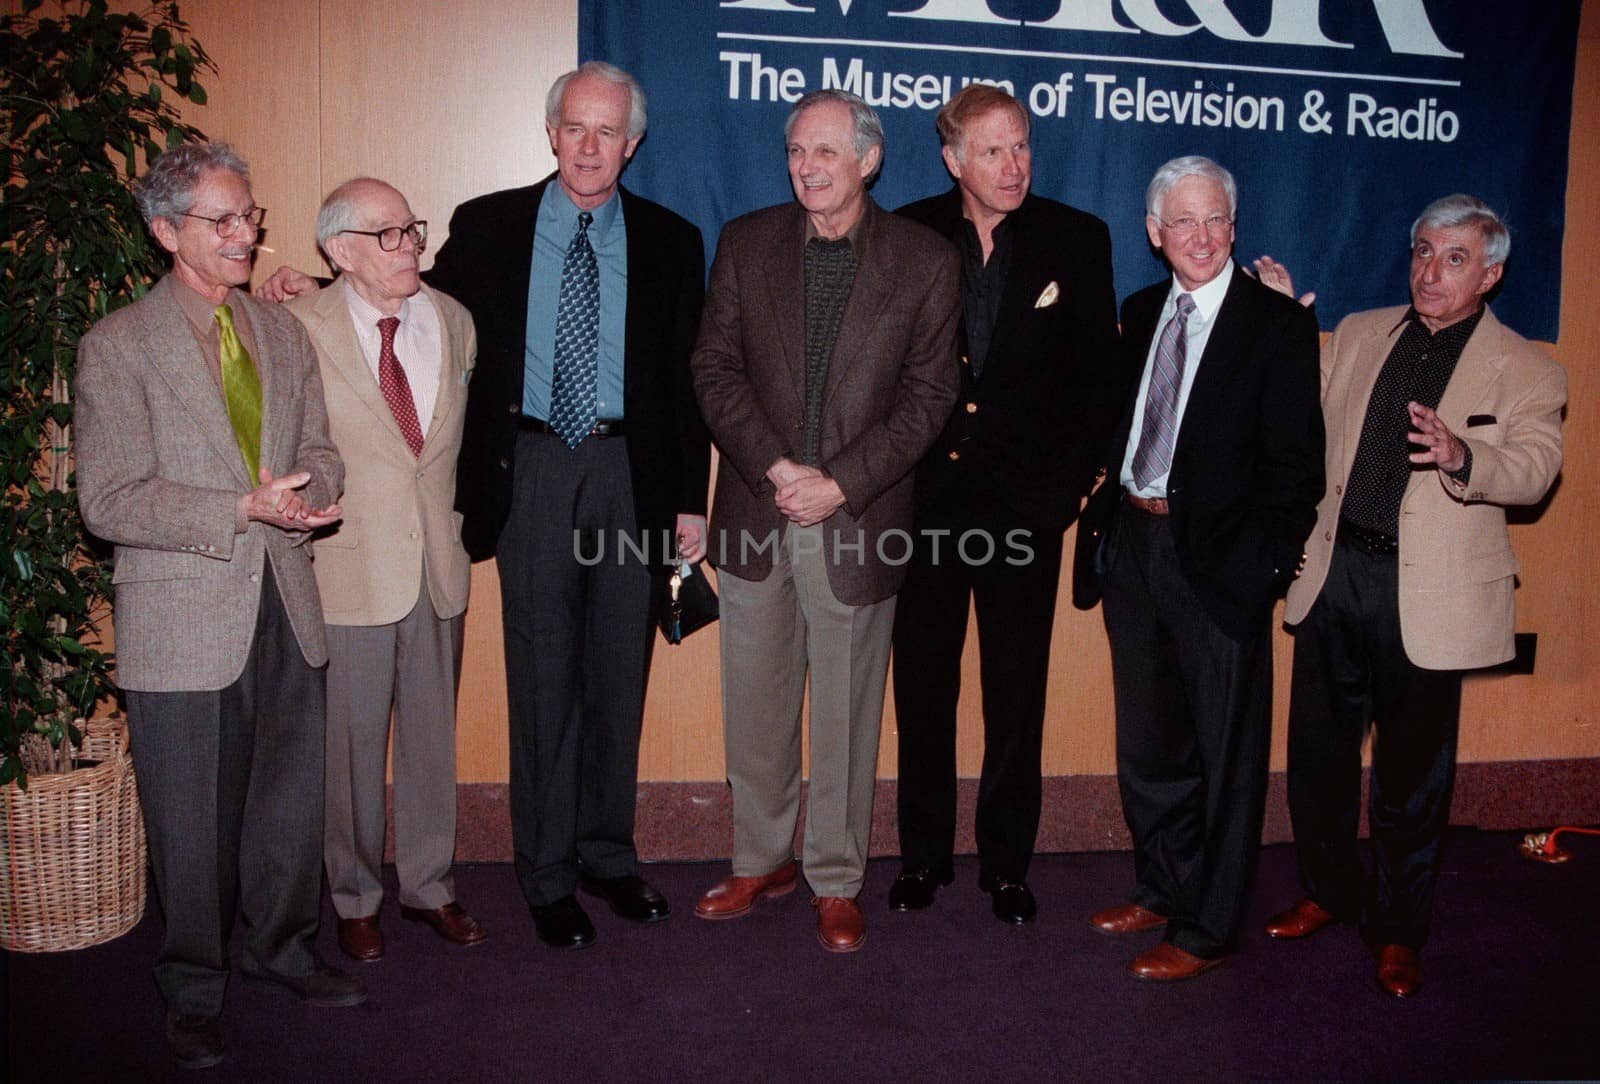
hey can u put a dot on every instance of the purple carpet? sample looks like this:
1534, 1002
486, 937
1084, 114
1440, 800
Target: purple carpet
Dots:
1512, 990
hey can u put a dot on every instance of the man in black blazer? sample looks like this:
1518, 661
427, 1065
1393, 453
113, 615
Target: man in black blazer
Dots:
1212, 487
1040, 389
576, 603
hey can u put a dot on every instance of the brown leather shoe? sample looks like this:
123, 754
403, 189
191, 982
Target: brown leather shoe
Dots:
1399, 970
1169, 963
1303, 919
841, 927
1126, 918
734, 896
449, 922
360, 938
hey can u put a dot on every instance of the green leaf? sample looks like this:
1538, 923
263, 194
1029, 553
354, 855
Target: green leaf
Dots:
72, 249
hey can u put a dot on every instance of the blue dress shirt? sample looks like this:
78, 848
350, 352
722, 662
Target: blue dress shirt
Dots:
554, 229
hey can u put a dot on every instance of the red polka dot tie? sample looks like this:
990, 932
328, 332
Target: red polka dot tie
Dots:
396, 388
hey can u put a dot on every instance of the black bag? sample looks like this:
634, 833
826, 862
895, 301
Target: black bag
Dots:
691, 603
1091, 554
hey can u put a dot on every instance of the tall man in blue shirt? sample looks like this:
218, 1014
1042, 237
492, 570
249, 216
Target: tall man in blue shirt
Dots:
582, 431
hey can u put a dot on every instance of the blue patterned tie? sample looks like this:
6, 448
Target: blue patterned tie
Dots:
572, 391
1160, 430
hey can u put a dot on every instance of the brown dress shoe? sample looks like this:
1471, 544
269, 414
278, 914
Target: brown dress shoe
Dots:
1169, 963
1126, 918
1399, 970
449, 922
841, 927
1305, 918
734, 896
360, 938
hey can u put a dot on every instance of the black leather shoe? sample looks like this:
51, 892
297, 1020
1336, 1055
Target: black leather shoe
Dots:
563, 924
631, 898
1012, 901
196, 1041
914, 889
326, 987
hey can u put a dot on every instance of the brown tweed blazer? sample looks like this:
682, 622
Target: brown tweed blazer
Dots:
159, 475
891, 382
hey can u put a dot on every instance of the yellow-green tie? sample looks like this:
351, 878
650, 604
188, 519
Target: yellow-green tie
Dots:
241, 388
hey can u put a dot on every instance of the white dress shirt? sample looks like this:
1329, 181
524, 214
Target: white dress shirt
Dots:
418, 346
1207, 300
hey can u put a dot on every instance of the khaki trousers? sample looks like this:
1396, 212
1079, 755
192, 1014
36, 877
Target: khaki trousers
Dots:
774, 632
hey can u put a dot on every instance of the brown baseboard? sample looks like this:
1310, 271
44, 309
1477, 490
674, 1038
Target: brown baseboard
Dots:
693, 821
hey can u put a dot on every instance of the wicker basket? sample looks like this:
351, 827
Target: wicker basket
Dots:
72, 850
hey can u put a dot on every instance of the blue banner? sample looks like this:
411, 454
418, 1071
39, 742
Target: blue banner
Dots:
1340, 119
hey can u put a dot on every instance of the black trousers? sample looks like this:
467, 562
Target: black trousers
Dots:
1010, 574
1194, 717
230, 783
1351, 672
575, 604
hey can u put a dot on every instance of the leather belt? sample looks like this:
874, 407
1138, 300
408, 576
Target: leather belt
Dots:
603, 428
1150, 506
1368, 541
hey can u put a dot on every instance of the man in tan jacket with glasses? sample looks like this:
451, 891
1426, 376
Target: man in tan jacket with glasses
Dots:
395, 359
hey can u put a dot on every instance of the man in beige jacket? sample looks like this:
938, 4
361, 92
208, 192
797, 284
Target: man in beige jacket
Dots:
395, 359
1438, 417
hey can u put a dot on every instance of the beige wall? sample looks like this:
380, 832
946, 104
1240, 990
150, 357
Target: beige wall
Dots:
446, 101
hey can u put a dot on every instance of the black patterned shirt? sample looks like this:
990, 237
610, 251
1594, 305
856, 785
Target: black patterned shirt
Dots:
1418, 369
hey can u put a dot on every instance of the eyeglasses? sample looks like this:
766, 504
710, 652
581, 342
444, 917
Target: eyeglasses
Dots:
228, 224
389, 239
1213, 224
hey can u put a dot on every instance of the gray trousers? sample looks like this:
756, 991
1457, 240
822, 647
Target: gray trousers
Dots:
412, 667
230, 782
774, 632
576, 611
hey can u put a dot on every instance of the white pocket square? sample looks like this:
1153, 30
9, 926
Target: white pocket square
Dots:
1048, 296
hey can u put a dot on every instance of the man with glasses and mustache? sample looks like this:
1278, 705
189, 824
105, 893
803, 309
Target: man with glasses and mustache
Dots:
1213, 483
203, 453
395, 357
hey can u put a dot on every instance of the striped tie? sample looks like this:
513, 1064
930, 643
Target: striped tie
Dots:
1160, 431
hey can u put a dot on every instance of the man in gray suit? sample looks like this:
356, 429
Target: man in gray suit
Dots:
825, 368
203, 454
395, 358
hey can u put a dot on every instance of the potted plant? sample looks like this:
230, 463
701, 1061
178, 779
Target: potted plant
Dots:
87, 95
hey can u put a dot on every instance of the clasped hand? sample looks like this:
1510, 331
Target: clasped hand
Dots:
805, 495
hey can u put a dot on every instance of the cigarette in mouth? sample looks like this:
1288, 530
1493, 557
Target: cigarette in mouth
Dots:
264, 248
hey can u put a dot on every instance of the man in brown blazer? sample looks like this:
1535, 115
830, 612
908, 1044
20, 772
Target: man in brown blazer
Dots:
1438, 417
826, 366
395, 359
203, 454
